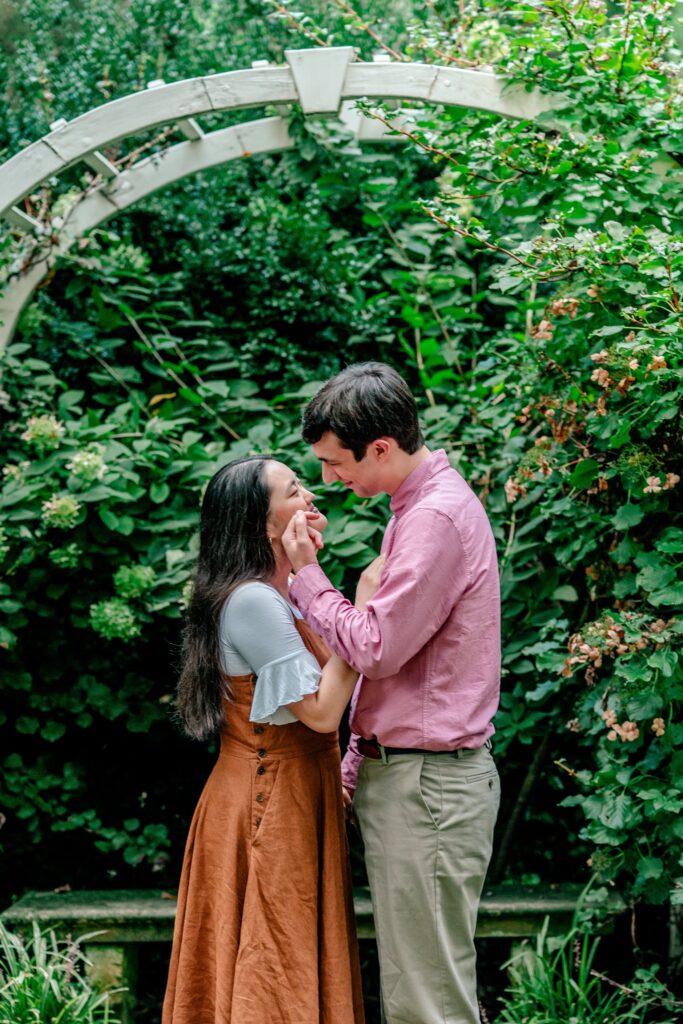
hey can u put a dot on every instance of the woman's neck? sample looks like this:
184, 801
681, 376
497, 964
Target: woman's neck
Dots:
280, 578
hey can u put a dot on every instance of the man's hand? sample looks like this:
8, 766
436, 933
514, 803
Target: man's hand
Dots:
300, 541
369, 581
347, 796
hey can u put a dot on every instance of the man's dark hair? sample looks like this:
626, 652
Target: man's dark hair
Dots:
363, 402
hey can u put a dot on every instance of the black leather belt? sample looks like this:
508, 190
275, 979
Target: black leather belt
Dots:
373, 749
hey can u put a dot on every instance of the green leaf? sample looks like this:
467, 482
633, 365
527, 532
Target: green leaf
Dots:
672, 595
565, 593
584, 473
542, 691
627, 516
642, 706
619, 812
52, 731
69, 399
649, 867
622, 436
605, 332
655, 577
27, 725
159, 492
190, 396
666, 660
412, 316
109, 518
125, 525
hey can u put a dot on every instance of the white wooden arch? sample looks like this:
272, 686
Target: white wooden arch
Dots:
323, 81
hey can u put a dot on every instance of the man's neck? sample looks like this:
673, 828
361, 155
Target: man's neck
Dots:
405, 464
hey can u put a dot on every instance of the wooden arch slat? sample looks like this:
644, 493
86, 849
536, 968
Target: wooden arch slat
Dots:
178, 103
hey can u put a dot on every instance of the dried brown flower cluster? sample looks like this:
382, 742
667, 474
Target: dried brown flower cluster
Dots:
607, 639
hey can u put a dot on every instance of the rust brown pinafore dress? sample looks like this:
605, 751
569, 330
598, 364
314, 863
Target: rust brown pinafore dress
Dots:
265, 930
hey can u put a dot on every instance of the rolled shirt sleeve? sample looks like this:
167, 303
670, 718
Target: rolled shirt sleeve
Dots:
421, 582
351, 763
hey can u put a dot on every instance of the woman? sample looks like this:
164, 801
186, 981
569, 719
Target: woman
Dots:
265, 928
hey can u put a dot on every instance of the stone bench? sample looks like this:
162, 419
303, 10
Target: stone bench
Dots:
121, 920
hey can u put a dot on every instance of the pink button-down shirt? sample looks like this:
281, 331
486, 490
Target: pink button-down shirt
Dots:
428, 646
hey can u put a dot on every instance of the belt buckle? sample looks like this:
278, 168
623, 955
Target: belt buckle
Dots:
372, 749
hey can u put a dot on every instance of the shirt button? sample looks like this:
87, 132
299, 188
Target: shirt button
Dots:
259, 797
260, 770
262, 752
258, 729
257, 822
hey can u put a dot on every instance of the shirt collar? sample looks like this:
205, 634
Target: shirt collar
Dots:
410, 489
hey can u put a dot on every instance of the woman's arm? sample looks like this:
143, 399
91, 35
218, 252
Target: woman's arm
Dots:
322, 710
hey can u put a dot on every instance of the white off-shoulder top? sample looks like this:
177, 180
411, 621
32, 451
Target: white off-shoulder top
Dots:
258, 634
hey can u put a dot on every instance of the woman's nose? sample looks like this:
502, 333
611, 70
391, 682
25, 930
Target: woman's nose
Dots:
309, 496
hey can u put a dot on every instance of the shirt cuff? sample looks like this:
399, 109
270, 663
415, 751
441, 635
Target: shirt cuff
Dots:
307, 584
351, 764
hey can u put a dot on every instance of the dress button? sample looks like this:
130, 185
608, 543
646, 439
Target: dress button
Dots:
260, 770
262, 752
259, 797
258, 729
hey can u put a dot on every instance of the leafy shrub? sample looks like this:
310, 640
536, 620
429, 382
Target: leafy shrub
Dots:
558, 981
42, 979
524, 277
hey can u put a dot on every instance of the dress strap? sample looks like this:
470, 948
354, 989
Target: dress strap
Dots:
313, 642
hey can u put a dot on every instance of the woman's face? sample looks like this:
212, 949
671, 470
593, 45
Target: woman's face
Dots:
288, 496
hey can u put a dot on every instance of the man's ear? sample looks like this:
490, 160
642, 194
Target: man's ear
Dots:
382, 448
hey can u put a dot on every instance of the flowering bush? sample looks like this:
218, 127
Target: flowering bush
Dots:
88, 464
43, 432
114, 620
61, 510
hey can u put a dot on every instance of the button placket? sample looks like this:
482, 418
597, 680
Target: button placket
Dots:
264, 779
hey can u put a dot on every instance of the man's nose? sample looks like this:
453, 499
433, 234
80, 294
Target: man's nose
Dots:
329, 475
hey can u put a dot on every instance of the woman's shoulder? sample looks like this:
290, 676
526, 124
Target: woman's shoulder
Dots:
253, 598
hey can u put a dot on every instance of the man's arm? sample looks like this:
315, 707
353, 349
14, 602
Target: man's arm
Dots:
424, 575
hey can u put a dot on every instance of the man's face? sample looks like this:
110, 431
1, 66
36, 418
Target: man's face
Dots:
338, 463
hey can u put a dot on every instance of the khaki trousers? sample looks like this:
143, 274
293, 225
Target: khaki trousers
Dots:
427, 825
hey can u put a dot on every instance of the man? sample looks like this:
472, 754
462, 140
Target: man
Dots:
428, 647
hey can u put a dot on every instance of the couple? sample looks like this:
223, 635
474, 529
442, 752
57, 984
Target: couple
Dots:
265, 928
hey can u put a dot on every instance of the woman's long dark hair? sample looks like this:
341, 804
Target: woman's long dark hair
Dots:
233, 546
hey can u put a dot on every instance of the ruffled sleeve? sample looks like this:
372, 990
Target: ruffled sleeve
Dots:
282, 682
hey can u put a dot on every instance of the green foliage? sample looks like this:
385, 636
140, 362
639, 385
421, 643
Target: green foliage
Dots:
522, 275
558, 981
43, 979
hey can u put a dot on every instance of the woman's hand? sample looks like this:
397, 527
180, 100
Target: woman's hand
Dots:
369, 581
